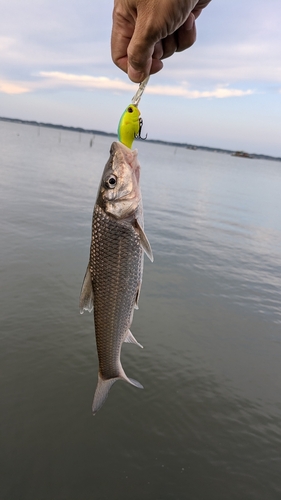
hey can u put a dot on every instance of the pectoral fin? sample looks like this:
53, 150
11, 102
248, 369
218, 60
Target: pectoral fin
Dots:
86, 295
144, 241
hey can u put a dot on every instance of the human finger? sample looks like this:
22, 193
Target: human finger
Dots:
119, 45
186, 34
121, 34
143, 50
169, 45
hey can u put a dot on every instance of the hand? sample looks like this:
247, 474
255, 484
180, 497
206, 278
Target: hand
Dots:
146, 31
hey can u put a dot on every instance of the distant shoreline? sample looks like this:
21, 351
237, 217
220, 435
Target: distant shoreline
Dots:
240, 154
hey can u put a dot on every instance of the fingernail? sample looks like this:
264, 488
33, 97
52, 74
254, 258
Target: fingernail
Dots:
189, 23
134, 75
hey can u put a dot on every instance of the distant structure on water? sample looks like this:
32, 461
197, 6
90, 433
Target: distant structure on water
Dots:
241, 154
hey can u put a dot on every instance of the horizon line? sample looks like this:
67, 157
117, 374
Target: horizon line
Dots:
159, 141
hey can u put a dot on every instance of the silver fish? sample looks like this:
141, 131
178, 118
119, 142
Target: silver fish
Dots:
114, 274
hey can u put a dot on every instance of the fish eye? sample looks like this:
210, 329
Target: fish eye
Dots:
111, 181
130, 109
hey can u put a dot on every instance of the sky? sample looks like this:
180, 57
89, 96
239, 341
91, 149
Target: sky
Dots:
224, 92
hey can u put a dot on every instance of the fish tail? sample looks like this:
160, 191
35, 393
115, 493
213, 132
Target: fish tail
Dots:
102, 390
104, 386
131, 381
134, 382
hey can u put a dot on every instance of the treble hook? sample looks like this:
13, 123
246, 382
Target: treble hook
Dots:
139, 132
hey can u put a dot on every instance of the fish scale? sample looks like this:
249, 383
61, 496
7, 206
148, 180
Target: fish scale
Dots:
115, 266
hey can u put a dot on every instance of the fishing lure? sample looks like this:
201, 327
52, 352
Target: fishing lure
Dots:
131, 123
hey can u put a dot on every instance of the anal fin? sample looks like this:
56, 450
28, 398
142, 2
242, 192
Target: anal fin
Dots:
131, 339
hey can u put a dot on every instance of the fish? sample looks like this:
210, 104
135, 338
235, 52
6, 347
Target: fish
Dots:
113, 276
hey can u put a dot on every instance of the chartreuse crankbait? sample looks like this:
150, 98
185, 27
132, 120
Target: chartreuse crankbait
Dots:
130, 123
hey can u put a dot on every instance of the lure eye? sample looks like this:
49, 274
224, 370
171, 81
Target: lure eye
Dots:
130, 109
111, 182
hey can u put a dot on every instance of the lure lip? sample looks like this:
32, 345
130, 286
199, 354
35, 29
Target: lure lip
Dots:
137, 97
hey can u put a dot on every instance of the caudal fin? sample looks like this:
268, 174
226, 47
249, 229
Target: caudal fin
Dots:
101, 393
104, 386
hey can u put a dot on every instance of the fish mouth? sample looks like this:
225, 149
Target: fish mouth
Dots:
128, 155
122, 155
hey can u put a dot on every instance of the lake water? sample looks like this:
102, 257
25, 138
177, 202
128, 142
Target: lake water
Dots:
207, 426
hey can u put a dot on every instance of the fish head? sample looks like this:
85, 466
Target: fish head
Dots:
119, 193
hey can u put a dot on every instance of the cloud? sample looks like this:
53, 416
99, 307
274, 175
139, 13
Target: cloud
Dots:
101, 82
5, 43
65, 35
57, 79
242, 50
235, 62
180, 91
8, 87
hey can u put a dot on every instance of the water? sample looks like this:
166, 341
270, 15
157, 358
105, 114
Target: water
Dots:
208, 423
